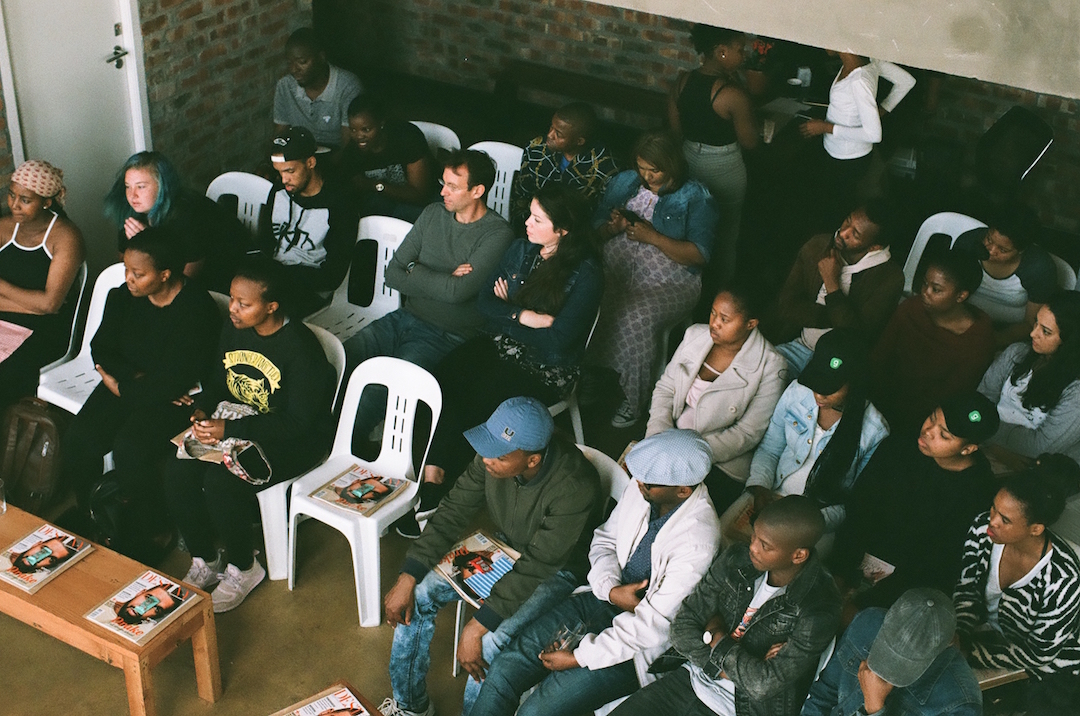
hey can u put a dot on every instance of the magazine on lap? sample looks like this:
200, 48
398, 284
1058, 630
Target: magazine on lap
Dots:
474, 565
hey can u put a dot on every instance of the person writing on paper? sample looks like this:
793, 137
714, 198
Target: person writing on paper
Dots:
544, 498
644, 561
39, 260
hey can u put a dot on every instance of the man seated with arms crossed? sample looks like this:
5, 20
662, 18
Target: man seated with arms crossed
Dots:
644, 560
898, 662
844, 280
446, 258
754, 628
567, 154
314, 94
543, 498
312, 224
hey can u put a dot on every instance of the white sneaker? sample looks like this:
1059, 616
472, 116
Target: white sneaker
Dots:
390, 708
235, 585
203, 575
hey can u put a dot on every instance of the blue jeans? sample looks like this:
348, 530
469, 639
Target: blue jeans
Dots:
518, 668
402, 335
797, 356
410, 652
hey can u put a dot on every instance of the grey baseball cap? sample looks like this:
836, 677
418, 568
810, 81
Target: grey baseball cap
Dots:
517, 424
917, 628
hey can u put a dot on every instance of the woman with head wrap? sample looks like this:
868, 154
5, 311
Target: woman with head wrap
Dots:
40, 255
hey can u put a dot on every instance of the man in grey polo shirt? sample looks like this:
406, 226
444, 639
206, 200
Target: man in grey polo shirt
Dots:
314, 94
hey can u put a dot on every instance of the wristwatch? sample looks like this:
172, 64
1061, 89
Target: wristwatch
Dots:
380, 186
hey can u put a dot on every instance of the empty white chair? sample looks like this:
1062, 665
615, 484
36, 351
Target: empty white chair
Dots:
345, 319
251, 193
73, 345
946, 222
69, 384
1066, 276
507, 158
407, 385
274, 501
438, 137
572, 401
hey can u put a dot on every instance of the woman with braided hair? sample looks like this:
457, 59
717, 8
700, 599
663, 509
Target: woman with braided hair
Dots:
40, 255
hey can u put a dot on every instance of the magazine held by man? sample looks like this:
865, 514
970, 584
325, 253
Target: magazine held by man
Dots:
360, 490
144, 607
474, 565
338, 700
40, 556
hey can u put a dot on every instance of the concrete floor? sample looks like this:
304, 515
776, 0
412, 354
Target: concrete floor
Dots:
275, 649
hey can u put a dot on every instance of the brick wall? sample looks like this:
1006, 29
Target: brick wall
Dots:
211, 66
465, 42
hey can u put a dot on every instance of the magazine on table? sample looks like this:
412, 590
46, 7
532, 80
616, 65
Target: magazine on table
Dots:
338, 700
40, 556
144, 607
474, 565
360, 490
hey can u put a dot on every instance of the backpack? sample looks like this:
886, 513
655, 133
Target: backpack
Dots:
30, 466
127, 524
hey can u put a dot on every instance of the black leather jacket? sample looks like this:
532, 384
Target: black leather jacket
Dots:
805, 617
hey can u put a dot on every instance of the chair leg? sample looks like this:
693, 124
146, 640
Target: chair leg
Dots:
459, 626
275, 524
575, 418
366, 560
294, 520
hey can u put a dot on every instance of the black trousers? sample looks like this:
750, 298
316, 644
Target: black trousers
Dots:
672, 694
137, 437
474, 382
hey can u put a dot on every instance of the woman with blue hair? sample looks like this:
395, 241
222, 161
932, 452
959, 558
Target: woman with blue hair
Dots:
148, 192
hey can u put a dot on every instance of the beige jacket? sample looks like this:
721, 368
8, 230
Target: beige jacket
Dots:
734, 411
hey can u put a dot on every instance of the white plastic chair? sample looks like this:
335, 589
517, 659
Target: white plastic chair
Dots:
345, 319
946, 222
507, 158
251, 193
1066, 276
274, 501
571, 402
222, 301
408, 385
73, 345
438, 137
69, 384
613, 483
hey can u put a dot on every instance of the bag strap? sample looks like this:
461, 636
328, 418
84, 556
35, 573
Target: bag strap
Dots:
22, 450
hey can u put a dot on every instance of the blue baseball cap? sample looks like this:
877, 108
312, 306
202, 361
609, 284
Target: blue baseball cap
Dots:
518, 424
673, 457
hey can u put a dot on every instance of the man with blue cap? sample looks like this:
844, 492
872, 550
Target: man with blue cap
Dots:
647, 557
543, 498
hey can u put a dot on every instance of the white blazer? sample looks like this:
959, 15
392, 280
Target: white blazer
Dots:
681, 553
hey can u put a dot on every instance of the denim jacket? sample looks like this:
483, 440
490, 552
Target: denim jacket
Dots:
562, 343
687, 214
947, 688
786, 445
804, 617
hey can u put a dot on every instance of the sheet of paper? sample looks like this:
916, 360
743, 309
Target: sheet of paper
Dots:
12, 336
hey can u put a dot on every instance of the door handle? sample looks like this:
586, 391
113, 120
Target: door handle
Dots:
117, 56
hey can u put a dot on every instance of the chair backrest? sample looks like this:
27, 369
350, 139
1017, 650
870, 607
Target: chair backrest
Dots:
438, 137
107, 280
222, 301
613, 479
80, 286
407, 384
335, 354
946, 222
251, 193
1066, 276
388, 233
507, 158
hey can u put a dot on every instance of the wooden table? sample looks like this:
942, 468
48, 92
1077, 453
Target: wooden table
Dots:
58, 609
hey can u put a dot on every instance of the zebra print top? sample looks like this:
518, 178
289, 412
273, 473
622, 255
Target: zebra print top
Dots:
1040, 621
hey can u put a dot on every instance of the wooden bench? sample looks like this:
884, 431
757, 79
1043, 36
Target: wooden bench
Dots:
59, 608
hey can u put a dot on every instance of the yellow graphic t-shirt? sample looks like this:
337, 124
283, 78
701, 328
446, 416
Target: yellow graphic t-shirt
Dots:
252, 378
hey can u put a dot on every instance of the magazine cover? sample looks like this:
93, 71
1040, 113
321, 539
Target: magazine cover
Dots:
360, 490
38, 557
474, 565
337, 700
143, 607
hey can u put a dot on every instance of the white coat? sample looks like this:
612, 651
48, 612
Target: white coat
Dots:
681, 553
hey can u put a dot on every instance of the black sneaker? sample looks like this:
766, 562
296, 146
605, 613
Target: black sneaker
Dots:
431, 495
407, 526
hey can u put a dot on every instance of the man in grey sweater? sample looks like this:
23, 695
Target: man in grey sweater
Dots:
442, 264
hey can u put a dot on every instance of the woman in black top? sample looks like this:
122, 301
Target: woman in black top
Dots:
155, 343
39, 260
272, 377
387, 162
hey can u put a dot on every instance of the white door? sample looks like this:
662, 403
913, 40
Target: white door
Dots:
74, 109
